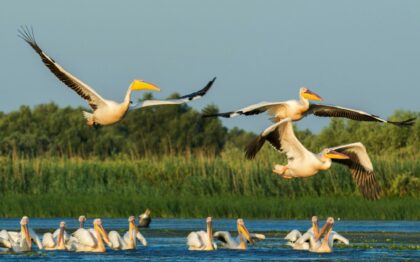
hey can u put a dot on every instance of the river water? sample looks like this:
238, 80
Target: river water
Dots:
369, 240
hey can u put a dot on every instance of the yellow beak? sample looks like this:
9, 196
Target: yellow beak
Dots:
244, 231
336, 155
141, 85
311, 96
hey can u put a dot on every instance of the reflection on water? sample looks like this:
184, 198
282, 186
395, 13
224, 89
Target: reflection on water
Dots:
167, 241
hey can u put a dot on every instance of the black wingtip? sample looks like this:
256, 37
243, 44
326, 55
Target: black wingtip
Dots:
254, 147
408, 122
225, 115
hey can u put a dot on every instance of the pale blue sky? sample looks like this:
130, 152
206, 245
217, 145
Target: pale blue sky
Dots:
358, 54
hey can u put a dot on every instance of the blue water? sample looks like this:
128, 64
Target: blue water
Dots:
369, 240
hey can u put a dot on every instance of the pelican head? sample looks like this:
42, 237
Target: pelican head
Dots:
329, 153
82, 220
141, 85
24, 230
315, 228
97, 226
308, 94
131, 222
62, 224
242, 230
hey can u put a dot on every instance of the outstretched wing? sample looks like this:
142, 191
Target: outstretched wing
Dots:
281, 136
273, 108
361, 169
94, 99
338, 111
181, 100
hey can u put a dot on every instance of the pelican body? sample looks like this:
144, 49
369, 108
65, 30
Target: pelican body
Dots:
20, 241
298, 109
303, 163
57, 240
105, 112
129, 239
201, 240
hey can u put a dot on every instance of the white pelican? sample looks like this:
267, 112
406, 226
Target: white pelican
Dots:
57, 240
89, 241
201, 240
129, 239
303, 163
302, 242
145, 219
105, 112
236, 243
297, 109
325, 245
20, 241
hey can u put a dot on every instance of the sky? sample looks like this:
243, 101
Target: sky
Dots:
358, 54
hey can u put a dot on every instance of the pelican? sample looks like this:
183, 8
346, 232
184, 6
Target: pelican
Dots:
297, 109
20, 241
302, 242
303, 163
326, 244
89, 241
129, 239
201, 240
241, 241
57, 240
145, 219
105, 112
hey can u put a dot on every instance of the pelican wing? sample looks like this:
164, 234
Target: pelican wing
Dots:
181, 100
197, 240
339, 238
5, 239
293, 235
86, 92
141, 238
361, 168
226, 238
272, 107
338, 111
48, 240
257, 237
115, 239
35, 237
281, 137
84, 237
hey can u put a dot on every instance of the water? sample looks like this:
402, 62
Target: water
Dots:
369, 240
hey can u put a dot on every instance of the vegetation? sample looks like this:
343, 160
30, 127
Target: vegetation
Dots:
52, 164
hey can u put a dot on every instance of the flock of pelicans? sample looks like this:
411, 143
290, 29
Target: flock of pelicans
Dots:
96, 239
301, 163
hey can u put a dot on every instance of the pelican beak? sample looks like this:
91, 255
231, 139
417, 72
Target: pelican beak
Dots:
336, 155
104, 234
325, 229
27, 235
141, 85
244, 231
311, 95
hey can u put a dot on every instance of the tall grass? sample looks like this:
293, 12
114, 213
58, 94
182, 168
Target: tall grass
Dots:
197, 185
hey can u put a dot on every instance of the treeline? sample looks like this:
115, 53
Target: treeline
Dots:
47, 130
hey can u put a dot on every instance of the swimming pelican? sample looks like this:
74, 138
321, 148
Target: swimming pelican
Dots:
105, 112
326, 243
145, 219
89, 241
240, 242
303, 163
297, 109
201, 240
129, 239
20, 241
302, 242
57, 240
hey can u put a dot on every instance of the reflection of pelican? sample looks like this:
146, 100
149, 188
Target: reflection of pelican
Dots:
105, 112
235, 243
303, 163
296, 110
57, 240
89, 241
20, 241
145, 219
129, 240
201, 240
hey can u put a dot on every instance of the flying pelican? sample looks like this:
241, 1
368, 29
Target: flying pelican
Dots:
145, 219
20, 241
241, 241
105, 112
129, 239
297, 109
303, 163
57, 240
326, 244
89, 241
201, 240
